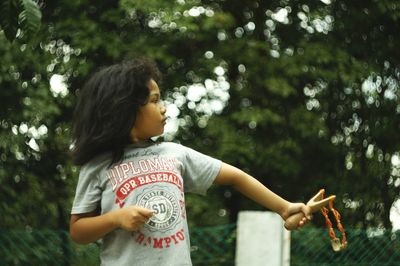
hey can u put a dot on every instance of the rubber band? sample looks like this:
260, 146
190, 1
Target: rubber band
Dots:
337, 244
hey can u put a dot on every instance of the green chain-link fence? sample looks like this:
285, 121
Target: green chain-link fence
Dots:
213, 245
311, 246
210, 246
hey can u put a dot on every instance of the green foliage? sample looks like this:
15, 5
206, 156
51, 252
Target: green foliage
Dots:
9, 18
19, 14
30, 17
313, 100
258, 116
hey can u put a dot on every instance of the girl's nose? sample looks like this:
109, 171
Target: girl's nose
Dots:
163, 109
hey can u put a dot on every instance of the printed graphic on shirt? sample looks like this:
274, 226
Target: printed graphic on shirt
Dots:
128, 176
154, 183
135, 182
159, 242
165, 205
121, 172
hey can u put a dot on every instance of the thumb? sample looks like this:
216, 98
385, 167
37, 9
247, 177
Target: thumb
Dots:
145, 212
300, 207
306, 210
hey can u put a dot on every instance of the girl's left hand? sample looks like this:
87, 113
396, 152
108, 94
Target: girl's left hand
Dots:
294, 208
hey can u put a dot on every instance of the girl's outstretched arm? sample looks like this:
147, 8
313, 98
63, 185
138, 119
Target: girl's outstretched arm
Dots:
253, 189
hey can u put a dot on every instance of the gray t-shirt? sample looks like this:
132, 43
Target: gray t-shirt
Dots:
154, 176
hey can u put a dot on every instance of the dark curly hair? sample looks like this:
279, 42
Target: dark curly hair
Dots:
107, 106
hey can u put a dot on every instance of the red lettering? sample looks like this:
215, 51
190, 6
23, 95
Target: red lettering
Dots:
141, 180
132, 183
148, 180
180, 235
112, 179
165, 178
174, 238
125, 169
154, 164
167, 241
148, 242
118, 173
129, 185
134, 170
143, 166
166, 164
157, 243
140, 238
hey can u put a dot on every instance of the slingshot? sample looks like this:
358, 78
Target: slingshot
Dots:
318, 203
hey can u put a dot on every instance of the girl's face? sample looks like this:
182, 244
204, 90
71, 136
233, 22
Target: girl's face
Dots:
150, 119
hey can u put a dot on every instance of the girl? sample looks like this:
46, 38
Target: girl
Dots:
130, 191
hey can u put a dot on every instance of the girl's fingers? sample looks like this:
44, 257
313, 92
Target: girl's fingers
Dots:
306, 210
145, 212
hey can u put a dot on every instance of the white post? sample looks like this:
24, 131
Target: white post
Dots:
262, 240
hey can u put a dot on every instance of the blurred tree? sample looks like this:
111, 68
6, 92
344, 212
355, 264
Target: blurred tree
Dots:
19, 14
301, 94
312, 90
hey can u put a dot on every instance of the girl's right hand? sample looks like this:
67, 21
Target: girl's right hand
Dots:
132, 218
302, 213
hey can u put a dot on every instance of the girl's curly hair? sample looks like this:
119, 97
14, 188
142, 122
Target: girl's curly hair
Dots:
107, 106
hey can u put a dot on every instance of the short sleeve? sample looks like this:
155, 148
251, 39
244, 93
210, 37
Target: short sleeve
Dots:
88, 191
200, 171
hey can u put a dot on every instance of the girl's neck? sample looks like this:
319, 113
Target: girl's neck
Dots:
142, 143
138, 141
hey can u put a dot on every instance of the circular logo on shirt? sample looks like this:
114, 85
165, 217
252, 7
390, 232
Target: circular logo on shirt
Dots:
165, 206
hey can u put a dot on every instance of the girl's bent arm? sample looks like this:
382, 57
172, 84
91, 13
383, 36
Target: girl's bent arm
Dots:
253, 189
89, 227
